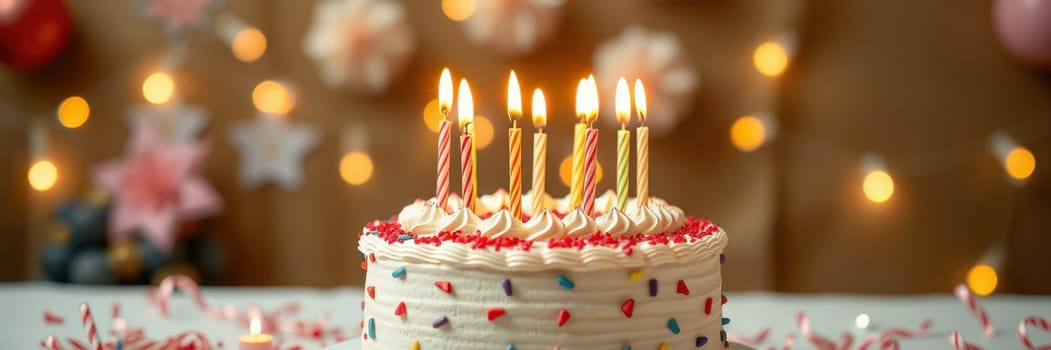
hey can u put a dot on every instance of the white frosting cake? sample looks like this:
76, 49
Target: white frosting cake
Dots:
445, 278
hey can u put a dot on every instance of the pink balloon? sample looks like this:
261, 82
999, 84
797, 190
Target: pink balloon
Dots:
1024, 28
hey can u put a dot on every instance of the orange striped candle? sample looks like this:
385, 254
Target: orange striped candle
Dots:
514, 147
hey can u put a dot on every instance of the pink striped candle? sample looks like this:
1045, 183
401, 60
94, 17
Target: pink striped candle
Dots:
467, 161
590, 166
444, 137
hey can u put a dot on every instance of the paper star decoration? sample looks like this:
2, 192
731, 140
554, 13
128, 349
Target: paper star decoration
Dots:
178, 16
176, 122
272, 150
363, 45
155, 187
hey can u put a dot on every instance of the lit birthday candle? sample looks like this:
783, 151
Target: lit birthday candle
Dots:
465, 108
539, 151
514, 147
591, 148
256, 340
445, 101
623, 108
576, 186
642, 145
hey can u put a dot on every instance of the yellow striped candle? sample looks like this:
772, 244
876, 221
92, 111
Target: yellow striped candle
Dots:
623, 109
514, 147
576, 186
539, 152
642, 145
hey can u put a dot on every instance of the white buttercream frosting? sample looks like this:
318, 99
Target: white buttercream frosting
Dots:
614, 222
579, 224
502, 224
426, 222
462, 220
646, 221
545, 226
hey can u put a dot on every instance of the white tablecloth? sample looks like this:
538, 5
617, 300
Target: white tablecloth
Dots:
22, 306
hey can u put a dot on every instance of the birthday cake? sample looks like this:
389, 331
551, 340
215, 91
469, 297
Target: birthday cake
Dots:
446, 278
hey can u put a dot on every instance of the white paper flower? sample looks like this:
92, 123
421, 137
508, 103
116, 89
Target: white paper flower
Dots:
363, 45
514, 27
659, 60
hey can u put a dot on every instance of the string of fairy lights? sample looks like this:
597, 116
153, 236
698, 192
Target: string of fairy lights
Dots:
747, 133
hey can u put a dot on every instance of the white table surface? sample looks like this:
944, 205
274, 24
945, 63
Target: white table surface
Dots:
22, 306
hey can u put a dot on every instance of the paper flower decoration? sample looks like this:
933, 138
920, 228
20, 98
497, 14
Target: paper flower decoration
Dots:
175, 122
514, 27
155, 187
178, 16
272, 150
659, 60
363, 45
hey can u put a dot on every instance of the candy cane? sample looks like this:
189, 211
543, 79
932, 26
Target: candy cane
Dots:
790, 340
750, 341
959, 344
804, 329
965, 297
89, 327
52, 343
894, 333
1023, 330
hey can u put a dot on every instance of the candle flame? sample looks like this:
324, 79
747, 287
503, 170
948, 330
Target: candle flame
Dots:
255, 327
465, 108
582, 100
592, 90
445, 93
539, 109
623, 102
514, 98
640, 100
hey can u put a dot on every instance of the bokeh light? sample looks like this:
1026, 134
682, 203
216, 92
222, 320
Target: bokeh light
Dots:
271, 97
982, 279
458, 10
862, 321
432, 115
878, 186
73, 112
770, 59
565, 171
355, 168
748, 133
1019, 163
483, 132
42, 175
158, 88
248, 45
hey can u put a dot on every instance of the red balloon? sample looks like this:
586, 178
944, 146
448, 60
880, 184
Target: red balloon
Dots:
1024, 28
32, 32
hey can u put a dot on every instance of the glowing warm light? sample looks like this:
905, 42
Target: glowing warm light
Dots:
355, 168
514, 98
539, 109
982, 279
592, 98
42, 175
1019, 163
255, 327
73, 112
623, 102
158, 88
465, 108
565, 171
640, 100
878, 186
445, 93
770, 59
862, 321
248, 45
432, 115
483, 131
748, 133
582, 100
271, 97
458, 10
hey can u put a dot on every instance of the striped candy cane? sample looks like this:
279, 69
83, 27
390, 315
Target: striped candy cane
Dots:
1023, 330
965, 296
52, 343
89, 327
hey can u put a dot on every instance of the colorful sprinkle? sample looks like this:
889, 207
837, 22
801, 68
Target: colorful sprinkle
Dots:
400, 309
682, 288
372, 257
398, 273
565, 282
363, 304
702, 341
374, 233
445, 286
635, 276
365, 265
361, 324
673, 325
722, 259
724, 299
495, 313
563, 317
372, 328
726, 321
628, 307
653, 287
372, 292
708, 306
441, 321
726, 345
506, 284
663, 346
415, 345
403, 238
722, 336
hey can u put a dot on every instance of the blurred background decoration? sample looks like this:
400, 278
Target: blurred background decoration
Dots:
846, 146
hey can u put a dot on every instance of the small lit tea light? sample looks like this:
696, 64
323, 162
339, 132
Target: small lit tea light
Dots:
256, 340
